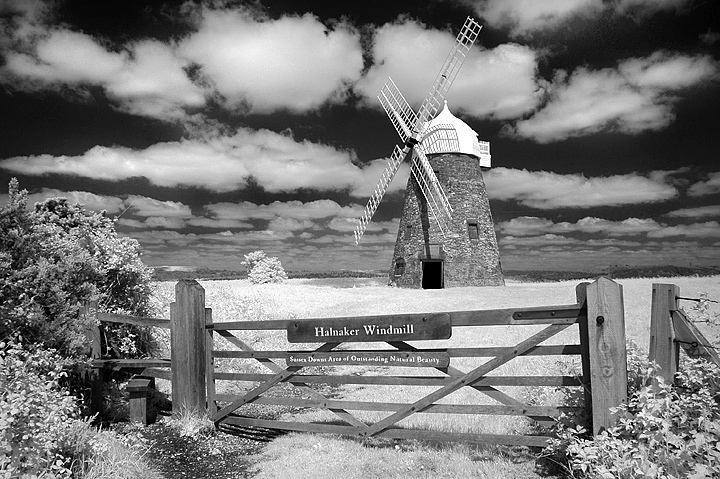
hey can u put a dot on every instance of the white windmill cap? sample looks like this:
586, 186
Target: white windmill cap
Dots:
440, 137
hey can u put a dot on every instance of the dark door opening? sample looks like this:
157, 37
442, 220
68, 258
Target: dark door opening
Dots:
432, 274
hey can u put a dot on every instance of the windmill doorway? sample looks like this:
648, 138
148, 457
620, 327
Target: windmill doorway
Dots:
432, 274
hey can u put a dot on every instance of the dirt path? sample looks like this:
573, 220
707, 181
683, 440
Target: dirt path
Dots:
226, 454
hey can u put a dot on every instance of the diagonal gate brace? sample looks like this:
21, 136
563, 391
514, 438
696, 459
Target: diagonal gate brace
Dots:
276, 368
281, 376
465, 380
489, 391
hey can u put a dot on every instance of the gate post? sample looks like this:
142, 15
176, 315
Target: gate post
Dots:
94, 376
663, 348
210, 365
187, 342
581, 298
607, 351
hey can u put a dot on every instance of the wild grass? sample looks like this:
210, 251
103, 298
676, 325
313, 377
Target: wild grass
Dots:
302, 456
192, 424
115, 457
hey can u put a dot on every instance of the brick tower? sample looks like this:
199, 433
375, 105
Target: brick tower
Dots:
467, 253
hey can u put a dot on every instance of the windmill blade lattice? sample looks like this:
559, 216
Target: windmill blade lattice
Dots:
463, 43
437, 203
398, 110
391, 169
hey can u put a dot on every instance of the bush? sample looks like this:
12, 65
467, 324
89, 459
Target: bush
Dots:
38, 420
262, 269
671, 431
55, 258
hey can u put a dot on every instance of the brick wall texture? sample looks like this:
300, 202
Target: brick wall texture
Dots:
466, 260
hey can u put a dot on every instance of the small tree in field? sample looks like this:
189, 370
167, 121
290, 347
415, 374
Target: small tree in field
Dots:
263, 269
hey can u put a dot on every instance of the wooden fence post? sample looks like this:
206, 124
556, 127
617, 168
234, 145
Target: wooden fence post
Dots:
210, 364
581, 297
94, 376
187, 341
663, 348
607, 351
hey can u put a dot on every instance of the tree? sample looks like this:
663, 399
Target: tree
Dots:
263, 269
55, 258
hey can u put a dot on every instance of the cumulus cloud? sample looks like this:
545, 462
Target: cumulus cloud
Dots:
298, 210
710, 37
265, 64
539, 241
144, 78
501, 82
289, 224
709, 186
648, 7
710, 229
598, 256
548, 190
144, 206
204, 222
665, 71
698, 212
235, 55
533, 226
277, 217
276, 162
525, 17
632, 98
163, 222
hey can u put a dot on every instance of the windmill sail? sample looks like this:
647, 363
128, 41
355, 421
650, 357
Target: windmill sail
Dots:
437, 203
463, 43
391, 169
411, 126
398, 110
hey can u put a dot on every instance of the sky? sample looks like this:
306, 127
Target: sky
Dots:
212, 129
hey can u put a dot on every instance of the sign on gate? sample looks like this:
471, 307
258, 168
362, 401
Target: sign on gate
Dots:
367, 329
367, 358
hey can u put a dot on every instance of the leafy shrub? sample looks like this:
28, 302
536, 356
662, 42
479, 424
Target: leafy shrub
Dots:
670, 431
263, 269
38, 421
55, 258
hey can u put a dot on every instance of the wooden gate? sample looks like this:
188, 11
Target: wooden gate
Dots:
600, 345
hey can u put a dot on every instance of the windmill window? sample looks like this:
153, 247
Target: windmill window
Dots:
408, 230
399, 267
473, 232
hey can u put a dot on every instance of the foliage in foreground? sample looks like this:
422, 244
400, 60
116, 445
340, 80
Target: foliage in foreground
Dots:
41, 432
52, 260
663, 432
263, 269
58, 256
38, 419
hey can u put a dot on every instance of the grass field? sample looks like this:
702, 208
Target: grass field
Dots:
337, 457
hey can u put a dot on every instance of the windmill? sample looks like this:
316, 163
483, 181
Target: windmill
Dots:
422, 248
